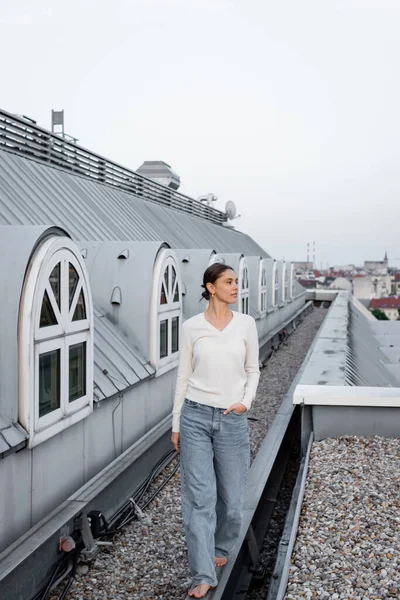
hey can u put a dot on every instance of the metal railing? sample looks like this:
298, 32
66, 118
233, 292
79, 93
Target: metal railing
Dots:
22, 137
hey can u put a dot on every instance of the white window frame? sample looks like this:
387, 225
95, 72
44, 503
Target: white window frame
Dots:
292, 281
244, 287
263, 288
275, 286
285, 290
34, 340
162, 312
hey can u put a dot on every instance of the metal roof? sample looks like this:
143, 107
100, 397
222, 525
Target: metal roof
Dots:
116, 366
33, 193
26, 139
367, 362
349, 348
12, 437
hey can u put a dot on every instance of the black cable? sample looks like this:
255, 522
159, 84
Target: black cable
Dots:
139, 495
43, 594
71, 578
129, 517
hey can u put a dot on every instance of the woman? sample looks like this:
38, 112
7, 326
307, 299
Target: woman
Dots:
217, 380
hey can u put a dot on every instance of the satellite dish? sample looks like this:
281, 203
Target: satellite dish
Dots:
230, 209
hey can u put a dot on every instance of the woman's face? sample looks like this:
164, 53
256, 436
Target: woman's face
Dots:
225, 287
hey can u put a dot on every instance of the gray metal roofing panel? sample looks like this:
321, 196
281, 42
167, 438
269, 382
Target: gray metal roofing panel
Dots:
32, 193
116, 366
367, 365
12, 436
4, 447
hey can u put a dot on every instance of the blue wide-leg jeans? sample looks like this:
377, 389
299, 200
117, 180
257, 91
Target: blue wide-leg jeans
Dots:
215, 460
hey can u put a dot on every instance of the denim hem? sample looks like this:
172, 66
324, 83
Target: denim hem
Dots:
196, 583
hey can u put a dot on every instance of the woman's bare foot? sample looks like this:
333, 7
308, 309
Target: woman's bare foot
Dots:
220, 561
200, 590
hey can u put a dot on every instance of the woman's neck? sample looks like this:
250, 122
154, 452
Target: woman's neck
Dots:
218, 309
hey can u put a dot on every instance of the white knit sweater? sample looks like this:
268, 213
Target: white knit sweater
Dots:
217, 368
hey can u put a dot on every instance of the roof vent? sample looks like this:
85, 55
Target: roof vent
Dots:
116, 296
124, 254
160, 172
186, 258
84, 252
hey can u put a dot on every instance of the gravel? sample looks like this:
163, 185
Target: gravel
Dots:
148, 561
348, 543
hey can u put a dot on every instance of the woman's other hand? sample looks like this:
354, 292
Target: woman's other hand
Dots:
175, 439
237, 408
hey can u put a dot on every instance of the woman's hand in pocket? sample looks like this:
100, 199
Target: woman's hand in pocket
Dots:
238, 408
175, 439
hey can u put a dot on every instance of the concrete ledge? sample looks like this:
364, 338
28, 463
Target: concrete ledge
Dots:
332, 395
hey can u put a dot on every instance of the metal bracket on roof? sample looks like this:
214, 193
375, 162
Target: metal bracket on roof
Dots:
91, 547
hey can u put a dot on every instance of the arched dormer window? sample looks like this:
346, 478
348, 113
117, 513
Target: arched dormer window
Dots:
56, 341
292, 280
262, 307
243, 303
284, 283
166, 312
275, 285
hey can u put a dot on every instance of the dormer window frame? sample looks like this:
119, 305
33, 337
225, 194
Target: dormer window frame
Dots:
292, 281
244, 287
275, 286
263, 288
53, 332
166, 312
285, 290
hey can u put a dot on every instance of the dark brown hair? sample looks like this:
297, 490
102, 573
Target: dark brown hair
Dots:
211, 275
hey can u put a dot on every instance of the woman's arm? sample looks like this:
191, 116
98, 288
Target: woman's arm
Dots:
251, 365
185, 370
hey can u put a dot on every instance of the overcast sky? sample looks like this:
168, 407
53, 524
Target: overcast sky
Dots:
288, 108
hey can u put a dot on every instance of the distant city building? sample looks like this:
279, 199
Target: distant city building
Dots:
390, 306
303, 266
377, 266
372, 286
344, 268
341, 283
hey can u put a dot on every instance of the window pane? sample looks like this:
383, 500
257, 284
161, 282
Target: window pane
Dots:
173, 277
49, 382
80, 309
175, 334
163, 339
55, 282
163, 296
77, 371
166, 279
47, 316
176, 295
73, 282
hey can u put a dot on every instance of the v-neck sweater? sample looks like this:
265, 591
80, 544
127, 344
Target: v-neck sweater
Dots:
217, 368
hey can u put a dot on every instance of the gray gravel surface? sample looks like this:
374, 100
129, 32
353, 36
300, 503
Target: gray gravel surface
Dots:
348, 543
148, 561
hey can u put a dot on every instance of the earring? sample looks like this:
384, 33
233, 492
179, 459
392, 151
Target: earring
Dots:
212, 295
